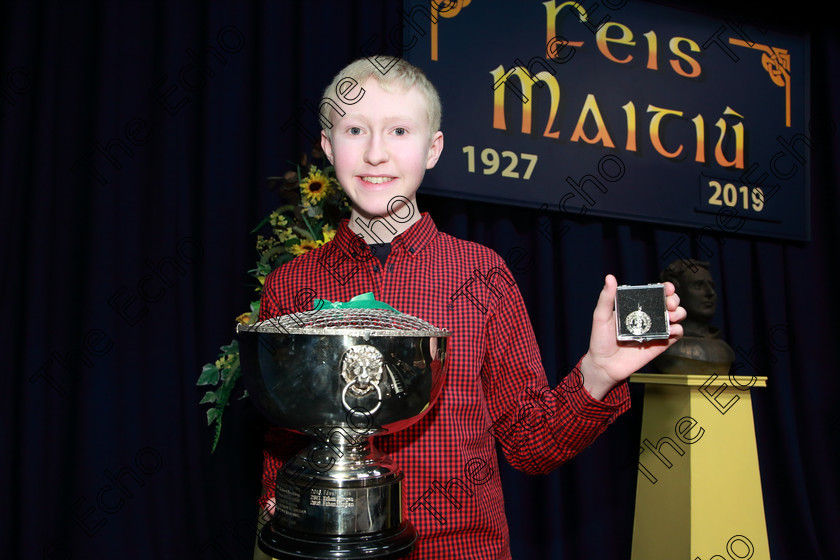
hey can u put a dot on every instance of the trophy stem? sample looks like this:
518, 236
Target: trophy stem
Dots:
339, 500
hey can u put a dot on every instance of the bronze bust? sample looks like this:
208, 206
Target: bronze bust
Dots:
700, 350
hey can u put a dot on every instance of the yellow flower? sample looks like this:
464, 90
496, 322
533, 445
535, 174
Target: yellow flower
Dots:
224, 361
278, 220
327, 233
284, 234
244, 319
314, 186
304, 246
265, 244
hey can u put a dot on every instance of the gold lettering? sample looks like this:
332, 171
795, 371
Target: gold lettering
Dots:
551, 12
674, 45
655, 123
738, 160
450, 10
653, 52
501, 83
700, 134
591, 107
630, 111
602, 40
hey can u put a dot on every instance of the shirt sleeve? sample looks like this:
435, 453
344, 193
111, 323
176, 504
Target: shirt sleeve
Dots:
538, 427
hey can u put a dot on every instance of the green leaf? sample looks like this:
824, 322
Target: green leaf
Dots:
209, 397
303, 233
209, 375
310, 232
229, 381
261, 224
271, 253
214, 414
232, 348
227, 372
216, 436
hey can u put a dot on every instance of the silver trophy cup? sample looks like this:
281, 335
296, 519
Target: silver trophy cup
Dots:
341, 376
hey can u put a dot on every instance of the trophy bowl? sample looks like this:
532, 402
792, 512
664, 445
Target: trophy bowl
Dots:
341, 376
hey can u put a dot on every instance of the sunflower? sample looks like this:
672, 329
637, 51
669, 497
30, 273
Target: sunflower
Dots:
314, 186
304, 246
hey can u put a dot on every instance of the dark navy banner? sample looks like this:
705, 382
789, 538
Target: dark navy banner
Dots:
620, 109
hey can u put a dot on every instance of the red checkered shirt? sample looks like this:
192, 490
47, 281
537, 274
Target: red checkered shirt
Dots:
495, 387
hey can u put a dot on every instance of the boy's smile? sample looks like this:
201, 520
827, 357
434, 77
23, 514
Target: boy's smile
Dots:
381, 148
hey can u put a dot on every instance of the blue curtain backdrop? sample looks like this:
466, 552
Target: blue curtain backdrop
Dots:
136, 139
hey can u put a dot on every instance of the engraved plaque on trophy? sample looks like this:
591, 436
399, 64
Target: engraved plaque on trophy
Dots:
341, 376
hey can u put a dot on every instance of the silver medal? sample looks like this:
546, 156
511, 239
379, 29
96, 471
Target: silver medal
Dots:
638, 322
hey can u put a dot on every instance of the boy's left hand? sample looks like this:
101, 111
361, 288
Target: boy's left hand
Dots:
608, 361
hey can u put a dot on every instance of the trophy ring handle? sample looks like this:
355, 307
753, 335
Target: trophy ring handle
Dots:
351, 409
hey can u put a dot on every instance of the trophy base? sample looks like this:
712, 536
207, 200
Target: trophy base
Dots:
345, 508
385, 545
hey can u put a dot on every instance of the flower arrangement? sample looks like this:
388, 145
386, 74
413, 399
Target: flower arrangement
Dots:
315, 203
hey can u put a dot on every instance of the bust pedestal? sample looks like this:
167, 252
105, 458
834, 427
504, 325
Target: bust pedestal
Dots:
698, 491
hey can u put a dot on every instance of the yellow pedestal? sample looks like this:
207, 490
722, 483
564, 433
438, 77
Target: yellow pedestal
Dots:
698, 493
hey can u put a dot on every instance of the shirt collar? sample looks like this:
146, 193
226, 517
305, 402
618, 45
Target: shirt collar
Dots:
413, 240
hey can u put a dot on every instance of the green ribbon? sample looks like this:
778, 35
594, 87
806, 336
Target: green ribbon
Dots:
361, 301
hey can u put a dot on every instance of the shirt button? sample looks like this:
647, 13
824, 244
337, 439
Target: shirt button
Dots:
376, 268
411, 250
390, 268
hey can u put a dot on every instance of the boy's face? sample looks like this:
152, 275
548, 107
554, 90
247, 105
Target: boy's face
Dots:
381, 148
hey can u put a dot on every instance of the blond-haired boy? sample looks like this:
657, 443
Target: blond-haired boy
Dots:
382, 132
